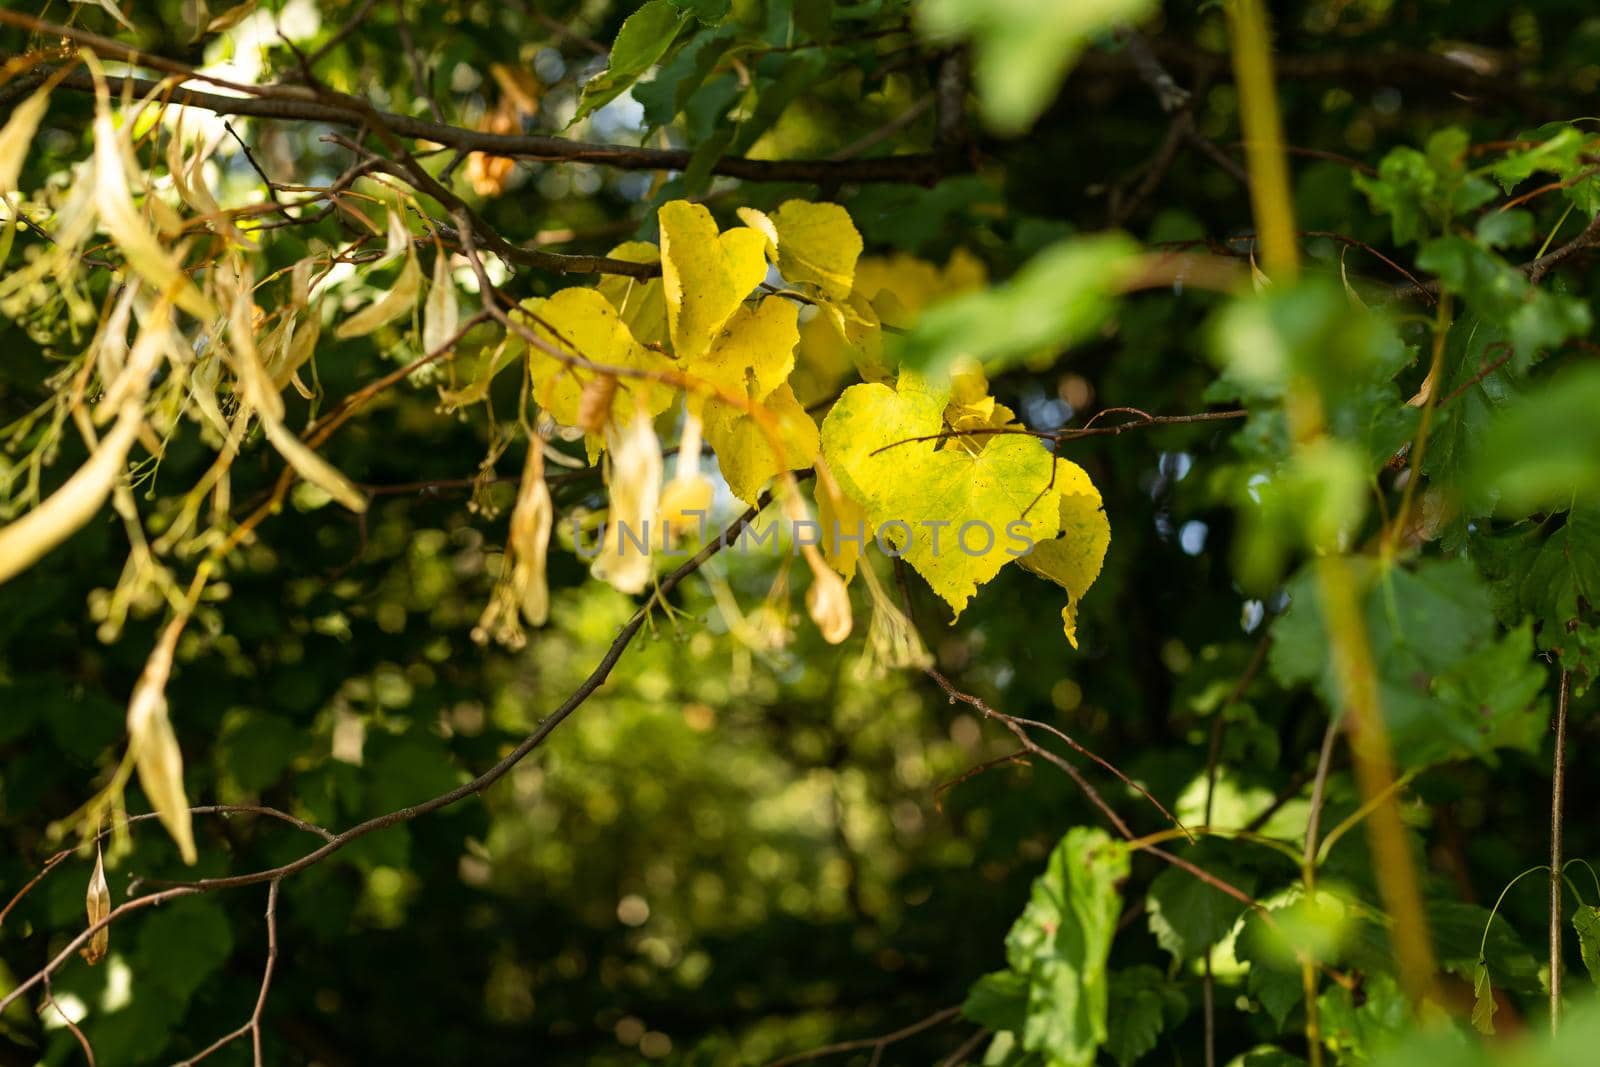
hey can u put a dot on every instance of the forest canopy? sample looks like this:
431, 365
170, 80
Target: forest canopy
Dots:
770, 531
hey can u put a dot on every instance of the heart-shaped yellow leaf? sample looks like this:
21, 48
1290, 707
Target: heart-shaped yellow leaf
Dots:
817, 245
706, 274
584, 326
642, 302
1072, 559
957, 515
755, 352
745, 450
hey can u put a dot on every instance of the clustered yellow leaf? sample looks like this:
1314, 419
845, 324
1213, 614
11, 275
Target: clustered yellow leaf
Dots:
739, 343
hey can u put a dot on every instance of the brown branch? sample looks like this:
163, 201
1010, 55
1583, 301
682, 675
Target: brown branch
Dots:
83, 1042
1020, 757
876, 1044
292, 103
556, 262
547, 725
252, 1025
1143, 420
1033, 748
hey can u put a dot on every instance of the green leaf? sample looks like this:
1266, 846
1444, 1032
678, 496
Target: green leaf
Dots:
1540, 455
1060, 297
1448, 684
707, 11
182, 945
1505, 229
814, 19
641, 42
1550, 572
1269, 1057
781, 80
1534, 318
1586, 920
1143, 1004
665, 95
1060, 943
1561, 151
1422, 192
1359, 1028
1023, 49
1483, 1005
1188, 916
998, 1001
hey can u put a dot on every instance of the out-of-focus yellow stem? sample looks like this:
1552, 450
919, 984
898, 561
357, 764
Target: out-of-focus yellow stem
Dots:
1341, 603
1263, 140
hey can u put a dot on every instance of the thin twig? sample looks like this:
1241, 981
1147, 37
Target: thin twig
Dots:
1213, 757
1558, 789
877, 1044
50, 1002
252, 1025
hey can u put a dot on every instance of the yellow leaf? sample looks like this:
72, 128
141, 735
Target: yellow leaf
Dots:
583, 325
836, 339
1072, 559
706, 275
523, 591
686, 500
755, 352
956, 515
901, 286
642, 302
761, 222
743, 449
971, 408
817, 245
842, 519
231, 17
312, 467
399, 300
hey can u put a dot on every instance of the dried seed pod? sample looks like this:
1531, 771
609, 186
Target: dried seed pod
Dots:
97, 904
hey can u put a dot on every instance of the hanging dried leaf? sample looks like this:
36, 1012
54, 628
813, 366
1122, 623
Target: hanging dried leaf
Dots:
635, 479
441, 314
65, 511
17, 137
155, 746
390, 306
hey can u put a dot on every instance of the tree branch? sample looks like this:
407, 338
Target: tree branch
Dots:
292, 104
